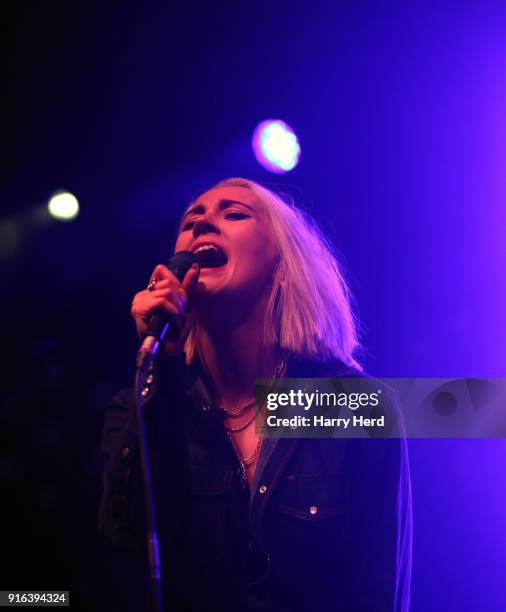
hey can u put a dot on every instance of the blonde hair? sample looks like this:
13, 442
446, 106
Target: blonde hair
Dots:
309, 307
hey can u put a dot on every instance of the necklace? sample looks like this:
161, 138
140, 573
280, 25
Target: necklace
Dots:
235, 413
246, 462
244, 425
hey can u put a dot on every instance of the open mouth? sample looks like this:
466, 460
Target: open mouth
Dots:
210, 256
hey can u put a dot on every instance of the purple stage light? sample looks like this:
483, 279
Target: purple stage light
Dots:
276, 146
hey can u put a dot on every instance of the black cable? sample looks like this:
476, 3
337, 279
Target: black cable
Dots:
155, 584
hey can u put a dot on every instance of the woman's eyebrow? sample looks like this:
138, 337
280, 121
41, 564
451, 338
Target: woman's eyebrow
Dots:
222, 205
198, 208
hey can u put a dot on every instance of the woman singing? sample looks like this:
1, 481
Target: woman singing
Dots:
249, 523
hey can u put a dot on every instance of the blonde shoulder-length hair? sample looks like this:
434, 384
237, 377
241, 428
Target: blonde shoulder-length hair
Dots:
309, 307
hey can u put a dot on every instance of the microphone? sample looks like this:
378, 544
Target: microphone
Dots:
159, 325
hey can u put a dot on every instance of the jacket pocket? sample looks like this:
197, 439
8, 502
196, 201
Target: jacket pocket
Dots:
307, 536
312, 498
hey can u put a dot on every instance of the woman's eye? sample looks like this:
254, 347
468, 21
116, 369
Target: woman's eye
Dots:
235, 215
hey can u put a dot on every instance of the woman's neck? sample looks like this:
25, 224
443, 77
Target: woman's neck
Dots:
233, 354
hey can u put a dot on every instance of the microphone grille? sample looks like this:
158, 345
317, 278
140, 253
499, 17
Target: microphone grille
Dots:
180, 263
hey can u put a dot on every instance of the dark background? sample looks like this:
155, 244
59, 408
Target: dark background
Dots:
137, 107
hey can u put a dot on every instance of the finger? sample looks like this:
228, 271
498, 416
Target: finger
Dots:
173, 294
163, 277
189, 284
142, 317
190, 277
169, 285
149, 300
162, 272
164, 283
170, 289
146, 303
162, 303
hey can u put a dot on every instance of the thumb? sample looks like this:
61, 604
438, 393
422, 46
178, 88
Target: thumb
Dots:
189, 284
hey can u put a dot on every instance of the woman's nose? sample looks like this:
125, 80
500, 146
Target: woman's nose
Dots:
204, 225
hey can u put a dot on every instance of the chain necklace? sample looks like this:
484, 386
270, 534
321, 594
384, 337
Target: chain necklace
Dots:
246, 462
244, 425
235, 413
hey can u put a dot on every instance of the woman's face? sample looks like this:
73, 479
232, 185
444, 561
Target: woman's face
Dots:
227, 229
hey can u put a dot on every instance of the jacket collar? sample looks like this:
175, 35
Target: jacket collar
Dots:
299, 366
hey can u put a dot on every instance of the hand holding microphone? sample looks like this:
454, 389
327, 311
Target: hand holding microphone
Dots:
163, 311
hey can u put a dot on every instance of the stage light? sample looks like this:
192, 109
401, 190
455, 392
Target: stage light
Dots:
63, 206
276, 146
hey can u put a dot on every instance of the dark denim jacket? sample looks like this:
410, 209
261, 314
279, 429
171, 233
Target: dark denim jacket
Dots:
326, 525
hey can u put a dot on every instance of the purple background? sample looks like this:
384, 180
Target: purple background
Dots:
135, 108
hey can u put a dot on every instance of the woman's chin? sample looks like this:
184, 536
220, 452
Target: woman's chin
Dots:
211, 280
208, 285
